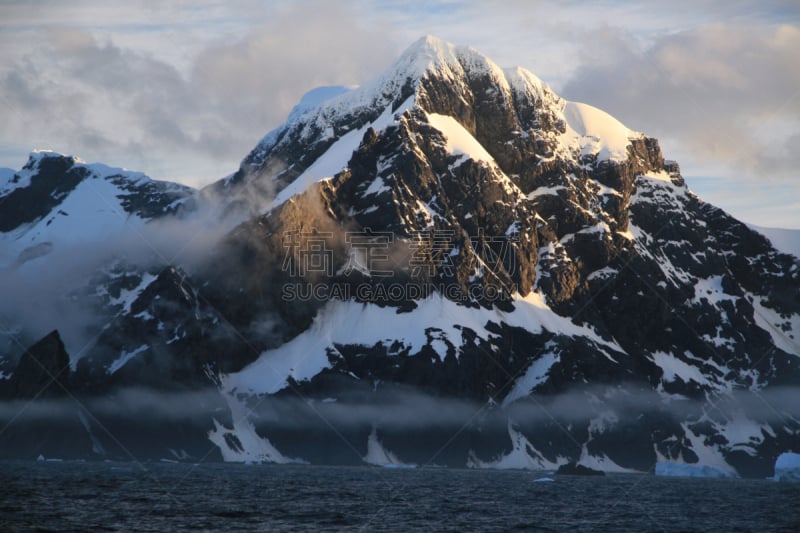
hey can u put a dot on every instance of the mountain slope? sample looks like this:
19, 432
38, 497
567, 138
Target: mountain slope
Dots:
60, 200
455, 263
466, 162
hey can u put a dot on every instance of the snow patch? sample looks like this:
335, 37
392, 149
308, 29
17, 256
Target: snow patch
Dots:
333, 161
597, 132
603, 273
317, 96
709, 455
128, 296
337, 156
603, 463
674, 368
377, 455
377, 187
459, 140
710, 289
242, 444
123, 359
546, 191
355, 323
661, 175
523, 456
90, 213
785, 331
536, 374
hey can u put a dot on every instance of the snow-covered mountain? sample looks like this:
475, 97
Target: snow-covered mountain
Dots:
57, 200
454, 265
63, 222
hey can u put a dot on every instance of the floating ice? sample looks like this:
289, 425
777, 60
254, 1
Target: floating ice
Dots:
787, 467
671, 469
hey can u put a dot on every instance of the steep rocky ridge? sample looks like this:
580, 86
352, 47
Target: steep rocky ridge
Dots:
456, 234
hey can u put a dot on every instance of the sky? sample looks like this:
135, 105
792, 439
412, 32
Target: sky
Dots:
182, 90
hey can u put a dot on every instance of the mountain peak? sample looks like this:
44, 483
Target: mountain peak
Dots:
430, 42
38, 155
449, 231
428, 49
432, 55
427, 59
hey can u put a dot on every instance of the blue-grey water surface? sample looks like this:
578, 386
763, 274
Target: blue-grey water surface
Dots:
94, 496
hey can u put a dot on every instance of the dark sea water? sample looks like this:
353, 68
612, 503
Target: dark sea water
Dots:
75, 496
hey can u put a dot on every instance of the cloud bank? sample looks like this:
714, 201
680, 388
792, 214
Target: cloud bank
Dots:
66, 88
183, 91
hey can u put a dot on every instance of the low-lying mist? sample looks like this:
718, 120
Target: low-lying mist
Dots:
408, 408
58, 287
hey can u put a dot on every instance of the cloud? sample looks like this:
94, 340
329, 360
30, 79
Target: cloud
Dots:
724, 95
67, 89
260, 77
183, 91
407, 408
131, 404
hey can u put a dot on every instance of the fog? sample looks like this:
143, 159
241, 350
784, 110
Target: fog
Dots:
406, 408
60, 286
129, 404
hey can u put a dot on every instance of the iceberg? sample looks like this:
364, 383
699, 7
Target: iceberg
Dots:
671, 469
787, 467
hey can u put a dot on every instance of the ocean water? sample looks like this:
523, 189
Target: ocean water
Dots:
78, 496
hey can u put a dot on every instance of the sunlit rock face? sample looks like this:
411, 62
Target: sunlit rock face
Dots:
454, 249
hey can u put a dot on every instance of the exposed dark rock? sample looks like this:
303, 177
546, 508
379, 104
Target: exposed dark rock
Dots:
43, 371
572, 469
651, 305
54, 177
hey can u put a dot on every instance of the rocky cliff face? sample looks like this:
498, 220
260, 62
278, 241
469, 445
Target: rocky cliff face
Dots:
456, 237
40, 370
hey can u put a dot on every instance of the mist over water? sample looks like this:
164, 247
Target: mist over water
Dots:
405, 407
334, 430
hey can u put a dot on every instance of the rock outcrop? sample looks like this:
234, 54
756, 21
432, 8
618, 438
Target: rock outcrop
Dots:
455, 237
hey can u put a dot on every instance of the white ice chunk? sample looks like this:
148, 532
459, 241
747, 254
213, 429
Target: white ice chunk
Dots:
787, 467
672, 469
